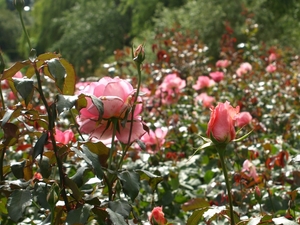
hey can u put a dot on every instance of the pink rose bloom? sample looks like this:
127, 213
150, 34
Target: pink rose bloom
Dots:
217, 76
222, 63
221, 124
250, 168
271, 68
157, 216
205, 99
64, 137
272, 57
171, 87
155, 139
243, 119
81, 85
117, 97
244, 68
203, 82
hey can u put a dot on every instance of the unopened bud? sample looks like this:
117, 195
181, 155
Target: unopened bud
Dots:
257, 194
139, 54
19, 4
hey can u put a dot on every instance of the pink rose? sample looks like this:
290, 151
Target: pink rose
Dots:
272, 57
243, 119
223, 63
271, 68
250, 168
243, 69
157, 216
217, 76
221, 123
117, 97
205, 99
64, 137
171, 87
155, 139
203, 82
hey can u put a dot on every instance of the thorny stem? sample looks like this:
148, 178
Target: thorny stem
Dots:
221, 151
52, 138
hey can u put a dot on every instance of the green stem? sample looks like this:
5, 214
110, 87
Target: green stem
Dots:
1, 163
2, 99
221, 151
115, 122
25, 31
76, 125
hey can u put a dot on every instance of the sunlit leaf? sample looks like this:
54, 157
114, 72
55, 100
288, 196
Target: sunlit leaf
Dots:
10, 72
32, 55
25, 88
70, 79
65, 102
284, 221
130, 182
196, 203
197, 215
153, 180
57, 70
17, 202
212, 211
254, 220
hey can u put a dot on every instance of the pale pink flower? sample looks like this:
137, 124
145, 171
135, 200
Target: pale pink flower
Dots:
244, 68
117, 97
157, 216
81, 85
249, 167
154, 139
64, 137
271, 68
243, 119
203, 82
272, 57
171, 88
205, 99
217, 76
223, 63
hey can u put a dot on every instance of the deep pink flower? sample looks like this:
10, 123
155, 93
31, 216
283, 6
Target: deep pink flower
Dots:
117, 97
223, 63
155, 139
243, 119
250, 168
203, 82
217, 76
171, 88
205, 99
221, 124
271, 68
64, 137
157, 216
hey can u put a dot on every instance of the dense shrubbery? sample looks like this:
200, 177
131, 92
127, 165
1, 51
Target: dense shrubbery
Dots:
133, 146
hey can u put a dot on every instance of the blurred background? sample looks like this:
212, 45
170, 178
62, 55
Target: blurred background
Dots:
87, 32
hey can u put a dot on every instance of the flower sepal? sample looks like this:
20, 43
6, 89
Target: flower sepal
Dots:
243, 137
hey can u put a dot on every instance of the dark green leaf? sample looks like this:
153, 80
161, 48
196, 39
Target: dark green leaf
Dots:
116, 218
9, 114
25, 88
41, 191
121, 207
99, 105
38, 148
79, 175
75, 190
130, 183
65, 102
32, 55
58, 72
152, 179
79, 215
17, 169
45, 167
17, 202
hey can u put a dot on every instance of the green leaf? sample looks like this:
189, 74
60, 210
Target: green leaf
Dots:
131, 183
79, 175
212, 211
17, 169
2, 64
81, 102
153, 180
11, 134
79, 215
9, 114
65, 102
284, 221
57, 70
115, 218
25, 88
196, 203
70, 79
3, 208
32, 55
75, 190
10, 72
197, 215
41, 191
38, 148
45, 167
17, 202
121, 207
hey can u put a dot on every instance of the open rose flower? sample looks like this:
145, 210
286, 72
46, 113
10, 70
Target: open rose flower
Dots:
222, 121
217, 76
249, 167
64, 137
171, 88
203, 82
243, 119
205, 99
157, 216
271, 68
117, 97
223, 63
154, 139
243, 69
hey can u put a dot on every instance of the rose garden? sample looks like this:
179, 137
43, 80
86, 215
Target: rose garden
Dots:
183, 138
